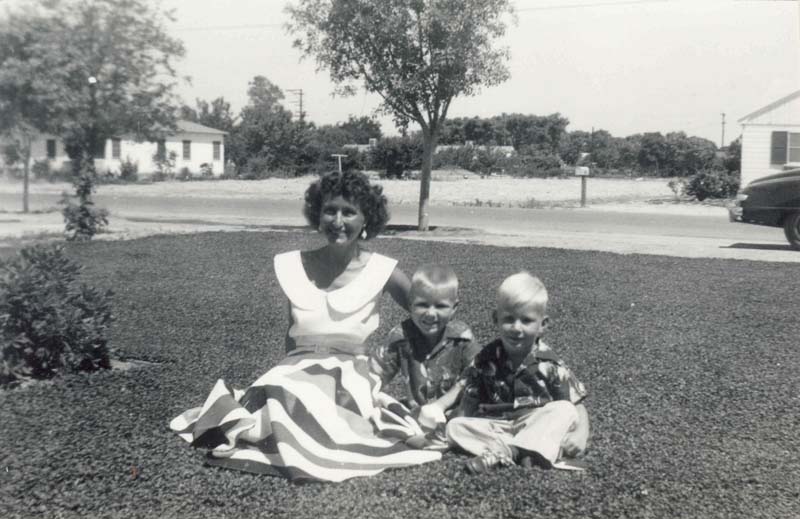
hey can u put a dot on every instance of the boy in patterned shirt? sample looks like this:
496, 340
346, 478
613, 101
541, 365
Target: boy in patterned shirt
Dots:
430, 348
521, 404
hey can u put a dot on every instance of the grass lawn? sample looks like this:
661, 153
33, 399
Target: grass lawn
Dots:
691, 366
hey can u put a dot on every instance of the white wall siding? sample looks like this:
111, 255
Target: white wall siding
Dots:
756, 149
141, 153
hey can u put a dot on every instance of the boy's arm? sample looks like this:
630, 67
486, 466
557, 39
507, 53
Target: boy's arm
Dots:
384, 359
449, 399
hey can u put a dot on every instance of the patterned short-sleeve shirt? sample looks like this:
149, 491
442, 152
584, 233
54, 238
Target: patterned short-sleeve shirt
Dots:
494, 388
430, 372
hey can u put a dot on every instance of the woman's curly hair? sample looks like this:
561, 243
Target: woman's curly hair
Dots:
354, 187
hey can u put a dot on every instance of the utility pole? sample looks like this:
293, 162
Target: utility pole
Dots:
298, 92
722, 140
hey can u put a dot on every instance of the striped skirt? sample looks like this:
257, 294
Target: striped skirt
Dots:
310, 418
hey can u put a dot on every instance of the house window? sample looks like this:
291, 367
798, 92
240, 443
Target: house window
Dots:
116, 148
784, 148
161, 149
794, 147
51, 148
217, 150
187, 150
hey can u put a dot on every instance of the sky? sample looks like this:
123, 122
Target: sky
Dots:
626, 66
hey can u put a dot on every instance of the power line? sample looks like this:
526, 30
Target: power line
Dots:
596, 4
518, 9
229, 27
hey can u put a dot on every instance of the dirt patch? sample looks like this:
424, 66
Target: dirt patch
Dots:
451, 189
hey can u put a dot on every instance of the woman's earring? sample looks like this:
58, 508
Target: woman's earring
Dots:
364, 233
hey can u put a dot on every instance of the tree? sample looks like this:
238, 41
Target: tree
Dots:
733, 156
416, 55
266, 137
103, 68
361, 129
217, 114
23, 110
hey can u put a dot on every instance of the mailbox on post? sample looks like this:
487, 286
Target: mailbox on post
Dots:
583, 172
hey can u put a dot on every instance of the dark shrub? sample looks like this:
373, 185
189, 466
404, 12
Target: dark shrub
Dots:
41, 170
713, 183
184, 174
396, 155
206, 170
82, 219
128, 171
50, 322
541, 165
256, 168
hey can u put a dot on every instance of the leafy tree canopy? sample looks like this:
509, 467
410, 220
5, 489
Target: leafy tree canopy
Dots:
101, 68
361, 129
417, 55
217, 114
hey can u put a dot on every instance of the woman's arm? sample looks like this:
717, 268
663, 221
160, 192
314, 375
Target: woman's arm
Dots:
288, 341
398, 287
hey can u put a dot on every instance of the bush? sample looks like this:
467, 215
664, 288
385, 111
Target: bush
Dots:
83, 219
128, 170
184, 174
206, 170
41, 170
678, 186
229, 171
165, 166
396, 155
713, 183
50, 323
256, 168
538, 164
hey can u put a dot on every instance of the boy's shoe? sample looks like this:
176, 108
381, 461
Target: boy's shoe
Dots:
486, 462
532, 459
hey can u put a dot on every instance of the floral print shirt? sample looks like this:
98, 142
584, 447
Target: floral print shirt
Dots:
429, 372
495, 389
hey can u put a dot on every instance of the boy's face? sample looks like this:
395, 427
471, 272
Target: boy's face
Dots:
432, 309
520, 327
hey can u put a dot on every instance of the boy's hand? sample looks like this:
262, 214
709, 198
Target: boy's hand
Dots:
431, 415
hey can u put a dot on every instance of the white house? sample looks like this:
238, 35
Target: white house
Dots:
193, 146
771, 138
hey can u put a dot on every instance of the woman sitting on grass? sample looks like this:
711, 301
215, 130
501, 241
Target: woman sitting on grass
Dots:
311, 416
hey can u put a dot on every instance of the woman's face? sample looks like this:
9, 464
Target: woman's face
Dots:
340, 220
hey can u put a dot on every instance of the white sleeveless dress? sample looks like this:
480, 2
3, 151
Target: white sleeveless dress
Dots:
313, 416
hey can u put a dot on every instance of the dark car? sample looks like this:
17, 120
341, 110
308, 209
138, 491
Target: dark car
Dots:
773, 200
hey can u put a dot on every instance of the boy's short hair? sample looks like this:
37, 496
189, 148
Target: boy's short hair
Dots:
522, 289
433, 276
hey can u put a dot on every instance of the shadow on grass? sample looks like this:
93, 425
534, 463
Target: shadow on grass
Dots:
759, 246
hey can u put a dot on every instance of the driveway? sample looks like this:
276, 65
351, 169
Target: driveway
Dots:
635, 227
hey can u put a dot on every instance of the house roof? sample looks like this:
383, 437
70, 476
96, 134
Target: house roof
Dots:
190, 127
770, 107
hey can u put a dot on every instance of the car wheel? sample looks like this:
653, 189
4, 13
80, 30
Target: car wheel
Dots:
791, 226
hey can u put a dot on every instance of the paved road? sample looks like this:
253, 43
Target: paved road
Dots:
708, 235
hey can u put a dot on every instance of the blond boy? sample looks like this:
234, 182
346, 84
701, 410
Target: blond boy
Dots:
521, 404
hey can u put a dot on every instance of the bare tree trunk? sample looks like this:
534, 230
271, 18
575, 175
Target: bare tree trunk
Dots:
428, 147
26, 174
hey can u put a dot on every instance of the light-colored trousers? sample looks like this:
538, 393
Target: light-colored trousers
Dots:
557, 429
